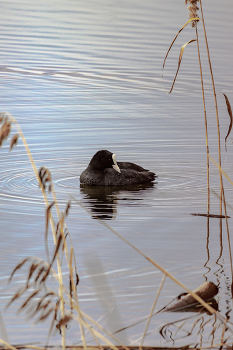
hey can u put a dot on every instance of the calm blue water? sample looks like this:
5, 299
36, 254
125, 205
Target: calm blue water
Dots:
83, 76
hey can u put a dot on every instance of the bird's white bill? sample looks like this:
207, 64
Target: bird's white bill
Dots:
115, 166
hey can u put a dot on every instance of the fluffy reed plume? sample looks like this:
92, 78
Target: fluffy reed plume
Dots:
193, 8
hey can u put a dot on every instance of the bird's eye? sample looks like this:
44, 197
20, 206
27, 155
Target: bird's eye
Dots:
109, 160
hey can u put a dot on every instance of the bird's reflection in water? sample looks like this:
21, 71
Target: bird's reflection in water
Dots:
103, 200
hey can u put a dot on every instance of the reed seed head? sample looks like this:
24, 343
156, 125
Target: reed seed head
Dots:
193, 8
5, 130
14, 141
45, 178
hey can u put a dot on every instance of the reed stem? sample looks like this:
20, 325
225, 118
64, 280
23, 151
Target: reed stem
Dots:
206, 129
152, 310
63, 329
222, 195
216, 108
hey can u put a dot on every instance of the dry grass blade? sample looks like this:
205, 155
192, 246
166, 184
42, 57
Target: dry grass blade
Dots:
179, 61
53, 259
67, 208
100, 347
46, 315
52, 323
28, 299
231, 118
14, 141
56, 250
76, 305
32, 270
81, 319
17, 295
152, 310
47, 217
71, 276
46, 274
99, 335
17, 268
41, 270
190, 20
40, 304
222, 171
7, 345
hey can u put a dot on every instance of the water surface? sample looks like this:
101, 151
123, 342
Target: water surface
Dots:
83, 76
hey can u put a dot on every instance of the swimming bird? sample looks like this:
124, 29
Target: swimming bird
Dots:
103, 170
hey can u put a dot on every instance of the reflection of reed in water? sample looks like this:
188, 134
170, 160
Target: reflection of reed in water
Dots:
102, 200
191, 325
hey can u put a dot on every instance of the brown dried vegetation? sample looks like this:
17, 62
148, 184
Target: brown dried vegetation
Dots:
5, 130
193, 8
45, 178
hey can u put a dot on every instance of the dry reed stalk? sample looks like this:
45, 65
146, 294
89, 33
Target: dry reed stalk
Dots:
104, 330
96, 335
69, 258
225, 209
221, 170
84, 316
76, 300
216, 109
51, 222
195, 296
206, 130
152, 310
7, 345
193, 8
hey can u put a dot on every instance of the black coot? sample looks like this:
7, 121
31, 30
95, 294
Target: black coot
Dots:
103, 170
